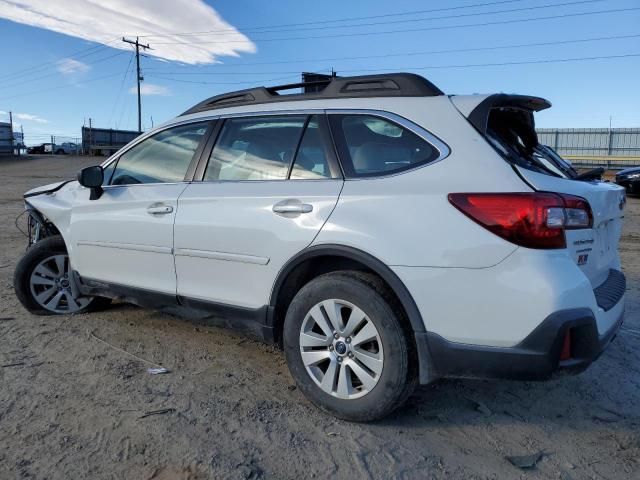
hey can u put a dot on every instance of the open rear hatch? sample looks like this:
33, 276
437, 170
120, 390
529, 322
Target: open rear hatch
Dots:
507, 122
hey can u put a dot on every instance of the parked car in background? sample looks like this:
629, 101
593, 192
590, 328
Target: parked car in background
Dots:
40, 149
384, 233
629, 178
66, 148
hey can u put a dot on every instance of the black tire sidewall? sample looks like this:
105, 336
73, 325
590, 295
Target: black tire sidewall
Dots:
21, 277
391, 389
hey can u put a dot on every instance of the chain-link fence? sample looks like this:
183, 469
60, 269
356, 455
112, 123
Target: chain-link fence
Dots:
39, 144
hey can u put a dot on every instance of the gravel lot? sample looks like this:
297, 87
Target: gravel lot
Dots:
71, 406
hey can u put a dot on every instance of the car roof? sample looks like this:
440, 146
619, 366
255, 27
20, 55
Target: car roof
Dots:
364, 86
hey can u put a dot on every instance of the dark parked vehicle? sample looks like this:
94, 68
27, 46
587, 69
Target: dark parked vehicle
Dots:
42, 148
629, 179
61, 149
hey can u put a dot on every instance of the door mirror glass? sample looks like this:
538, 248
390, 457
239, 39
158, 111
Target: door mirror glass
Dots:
91, 177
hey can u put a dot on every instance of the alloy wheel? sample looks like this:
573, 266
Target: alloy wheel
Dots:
341, 349
51, 286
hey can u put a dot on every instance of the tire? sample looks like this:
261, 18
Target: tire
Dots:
28, 281
345, 393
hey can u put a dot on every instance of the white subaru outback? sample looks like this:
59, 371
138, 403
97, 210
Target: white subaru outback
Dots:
384, 233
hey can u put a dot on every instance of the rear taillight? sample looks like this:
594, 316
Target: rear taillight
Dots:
533, 220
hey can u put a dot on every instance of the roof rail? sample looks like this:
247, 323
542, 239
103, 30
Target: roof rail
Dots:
385, 85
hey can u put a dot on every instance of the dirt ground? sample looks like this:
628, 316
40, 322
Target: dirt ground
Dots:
71, 407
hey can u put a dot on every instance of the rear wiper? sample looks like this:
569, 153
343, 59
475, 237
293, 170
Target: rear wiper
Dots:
516, 157
594, 174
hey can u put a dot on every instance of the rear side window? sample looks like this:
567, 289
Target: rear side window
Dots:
372, 146
312, 159
256, 148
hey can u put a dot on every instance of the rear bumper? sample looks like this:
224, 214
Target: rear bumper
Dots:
537, 357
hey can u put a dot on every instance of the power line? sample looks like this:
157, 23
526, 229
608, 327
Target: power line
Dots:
62, 86
124, 79
297, 74
500, 64
429, 67
442, 27
90, 51
411, 20
46, 65
347, 19
57, 73
389, 55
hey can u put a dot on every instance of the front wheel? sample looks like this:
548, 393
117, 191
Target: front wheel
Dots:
43, 284
346, 347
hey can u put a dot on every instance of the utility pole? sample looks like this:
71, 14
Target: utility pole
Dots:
140, 77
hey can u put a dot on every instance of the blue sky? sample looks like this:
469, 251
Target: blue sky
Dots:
53, 82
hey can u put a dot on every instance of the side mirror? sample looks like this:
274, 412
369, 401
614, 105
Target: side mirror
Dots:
92, 177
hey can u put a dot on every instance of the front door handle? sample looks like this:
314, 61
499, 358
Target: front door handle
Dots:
287, 207
159, 209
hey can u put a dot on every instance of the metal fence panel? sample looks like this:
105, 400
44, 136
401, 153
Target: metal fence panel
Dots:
612, 148
622, 142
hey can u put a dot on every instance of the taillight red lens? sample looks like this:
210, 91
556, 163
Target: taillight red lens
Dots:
533, 220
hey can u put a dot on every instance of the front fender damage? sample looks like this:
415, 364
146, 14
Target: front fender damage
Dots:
50, 206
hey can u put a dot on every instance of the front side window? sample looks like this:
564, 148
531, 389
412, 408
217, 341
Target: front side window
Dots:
373, 146
255, 148
162, 158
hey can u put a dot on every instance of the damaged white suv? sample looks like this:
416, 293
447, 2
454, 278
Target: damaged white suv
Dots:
384, 233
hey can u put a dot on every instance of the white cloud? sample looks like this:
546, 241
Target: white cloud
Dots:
68, 66
24, 116
29, 117
151, 89
105, 21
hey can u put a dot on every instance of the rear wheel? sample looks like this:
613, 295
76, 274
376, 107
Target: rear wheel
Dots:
346, 348
43, 283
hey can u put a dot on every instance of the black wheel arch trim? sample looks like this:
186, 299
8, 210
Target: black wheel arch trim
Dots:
368, 260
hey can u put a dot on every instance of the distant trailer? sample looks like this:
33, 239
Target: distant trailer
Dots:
6, 139
105, 141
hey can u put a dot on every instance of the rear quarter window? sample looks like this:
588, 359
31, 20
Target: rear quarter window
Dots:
371, 146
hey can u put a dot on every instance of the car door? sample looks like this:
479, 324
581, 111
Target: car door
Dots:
126, 236
269, 185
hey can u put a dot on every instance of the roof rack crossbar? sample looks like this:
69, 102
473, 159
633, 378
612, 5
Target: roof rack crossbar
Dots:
289, 86
384, 85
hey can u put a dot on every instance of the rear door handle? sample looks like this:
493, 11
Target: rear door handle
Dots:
159, 209
286, 207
